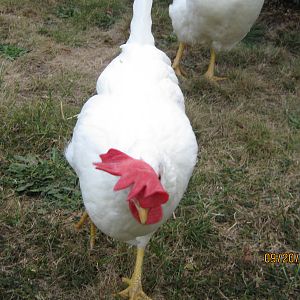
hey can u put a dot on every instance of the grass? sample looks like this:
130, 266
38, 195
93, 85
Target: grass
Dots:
12, 52
242, 201
82, 13
35, 176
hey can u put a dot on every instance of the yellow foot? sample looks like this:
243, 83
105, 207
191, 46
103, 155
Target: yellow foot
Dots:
82, 220
134, 291
211, 68
214, 78
179, 71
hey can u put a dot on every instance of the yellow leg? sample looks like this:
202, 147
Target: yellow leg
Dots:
211, 68
82, 220
93, 235
135, 291
176, 62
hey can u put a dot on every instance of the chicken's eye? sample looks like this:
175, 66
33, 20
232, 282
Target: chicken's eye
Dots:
159, 177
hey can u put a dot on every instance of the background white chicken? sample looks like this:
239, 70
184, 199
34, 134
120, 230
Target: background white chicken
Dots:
219, 24
137, 124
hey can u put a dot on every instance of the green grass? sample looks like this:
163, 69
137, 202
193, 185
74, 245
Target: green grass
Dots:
102, 14
68, 36
50, 178
38, 126
70, 19
289, 40
243, 198
255, 36
66, 22
12, 52
294, 120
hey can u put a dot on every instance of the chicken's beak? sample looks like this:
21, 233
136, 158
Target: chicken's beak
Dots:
143, 212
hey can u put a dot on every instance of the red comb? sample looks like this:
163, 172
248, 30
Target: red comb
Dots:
146, 187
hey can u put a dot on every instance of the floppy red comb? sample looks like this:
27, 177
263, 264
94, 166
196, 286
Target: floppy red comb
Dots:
146, 187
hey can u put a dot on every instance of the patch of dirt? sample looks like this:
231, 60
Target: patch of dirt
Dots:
92, 59
33, 73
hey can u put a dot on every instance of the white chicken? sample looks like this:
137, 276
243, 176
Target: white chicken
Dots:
220, 24
138, 126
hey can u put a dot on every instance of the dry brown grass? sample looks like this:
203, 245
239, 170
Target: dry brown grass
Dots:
243, 199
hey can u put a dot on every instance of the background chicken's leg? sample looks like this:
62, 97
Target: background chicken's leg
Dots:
211, 68
82, 220
176, 64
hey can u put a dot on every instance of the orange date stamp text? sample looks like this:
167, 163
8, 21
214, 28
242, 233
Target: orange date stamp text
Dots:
285, 258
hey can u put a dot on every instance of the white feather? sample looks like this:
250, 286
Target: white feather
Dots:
217, 23
139, 110
140, 27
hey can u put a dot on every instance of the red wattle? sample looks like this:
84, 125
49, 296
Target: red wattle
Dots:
144, 184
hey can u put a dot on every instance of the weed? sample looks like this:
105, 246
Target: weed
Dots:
50, 178
66, 11
294, 120
12, 52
